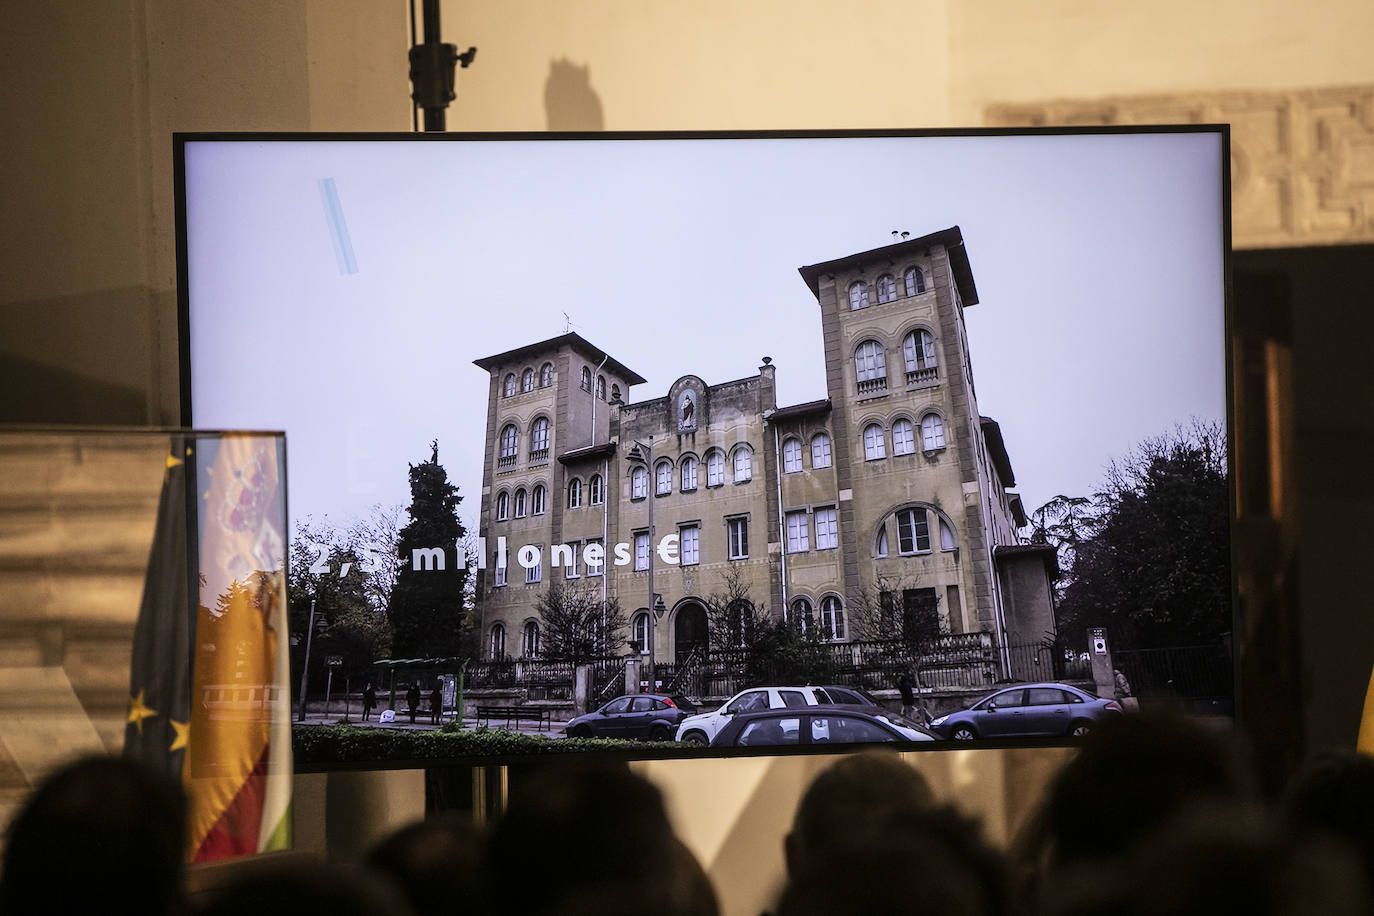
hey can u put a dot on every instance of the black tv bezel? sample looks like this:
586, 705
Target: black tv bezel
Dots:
1222, 130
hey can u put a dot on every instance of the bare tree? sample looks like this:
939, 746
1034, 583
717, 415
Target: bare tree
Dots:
896, 608
577, 625
733, 620
374, 538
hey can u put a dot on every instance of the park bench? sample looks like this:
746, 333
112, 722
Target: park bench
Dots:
513, 714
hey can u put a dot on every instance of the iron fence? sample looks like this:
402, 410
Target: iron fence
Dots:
1181, 673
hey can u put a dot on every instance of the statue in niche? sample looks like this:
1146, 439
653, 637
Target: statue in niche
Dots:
687, 411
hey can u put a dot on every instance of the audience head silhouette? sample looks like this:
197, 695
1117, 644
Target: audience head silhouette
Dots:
102, 835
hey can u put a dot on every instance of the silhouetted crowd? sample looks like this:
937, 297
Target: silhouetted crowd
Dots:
1152, 815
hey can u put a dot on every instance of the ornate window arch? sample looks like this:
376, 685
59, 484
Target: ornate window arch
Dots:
743, 463
601, 387
596, 491
870, 367
496, 642
663, 477
508, 387
502, 506
575, 493
521, 502
820, 450
546, 375
799, 613
529, 639
715, 468
586, 378
510, 444
687, 473
539, 499
639, 630
887, 289
832, 618
539, 437
858, 295
791, 455
903, 437
639, 482
875, 443
932, 431
527, 380
915, 280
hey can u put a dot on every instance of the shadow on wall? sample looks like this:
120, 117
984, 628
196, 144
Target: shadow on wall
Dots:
570, 102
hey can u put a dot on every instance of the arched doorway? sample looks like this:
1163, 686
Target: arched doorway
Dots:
689, 630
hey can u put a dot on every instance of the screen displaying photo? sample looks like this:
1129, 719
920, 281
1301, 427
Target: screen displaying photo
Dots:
635, 439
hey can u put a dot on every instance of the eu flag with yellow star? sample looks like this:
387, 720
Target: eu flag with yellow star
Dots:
160, 675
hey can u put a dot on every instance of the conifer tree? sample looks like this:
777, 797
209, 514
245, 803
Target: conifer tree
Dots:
428, 610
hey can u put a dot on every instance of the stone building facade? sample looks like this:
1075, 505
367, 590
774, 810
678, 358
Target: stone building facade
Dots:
884, 505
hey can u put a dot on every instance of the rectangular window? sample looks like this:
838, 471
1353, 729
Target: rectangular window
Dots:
536, 572
827, 529
913, 531
594, 569
498, 575
739, 538
691, 544
573, 568
798, 533
642, 550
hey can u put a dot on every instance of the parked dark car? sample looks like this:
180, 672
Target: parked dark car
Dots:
817, 725
840, 695
655, 716
1027, 710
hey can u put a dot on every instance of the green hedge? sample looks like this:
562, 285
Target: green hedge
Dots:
335, 744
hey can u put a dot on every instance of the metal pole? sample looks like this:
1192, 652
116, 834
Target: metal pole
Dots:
328, 688
305, 668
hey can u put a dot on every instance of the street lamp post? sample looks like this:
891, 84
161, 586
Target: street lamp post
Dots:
646, 458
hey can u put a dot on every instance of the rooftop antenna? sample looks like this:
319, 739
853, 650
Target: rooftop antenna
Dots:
567, 323
906, 235
894, 235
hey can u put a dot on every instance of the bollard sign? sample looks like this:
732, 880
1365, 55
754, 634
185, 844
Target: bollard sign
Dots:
333, 661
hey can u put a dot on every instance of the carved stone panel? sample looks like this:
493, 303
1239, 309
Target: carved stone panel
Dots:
1302, 162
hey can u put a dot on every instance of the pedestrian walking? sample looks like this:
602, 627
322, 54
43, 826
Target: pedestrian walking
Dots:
436, 702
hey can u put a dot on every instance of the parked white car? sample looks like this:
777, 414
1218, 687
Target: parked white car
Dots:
699, 730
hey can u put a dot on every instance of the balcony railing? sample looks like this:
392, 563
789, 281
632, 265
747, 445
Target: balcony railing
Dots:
872, 387
539, 456
506, 461
927, 376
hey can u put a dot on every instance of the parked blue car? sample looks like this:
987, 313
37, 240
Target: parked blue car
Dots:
1027, 710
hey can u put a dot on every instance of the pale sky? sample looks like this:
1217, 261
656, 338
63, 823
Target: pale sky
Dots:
1098, 262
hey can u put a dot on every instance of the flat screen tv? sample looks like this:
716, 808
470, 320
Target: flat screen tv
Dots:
616, 442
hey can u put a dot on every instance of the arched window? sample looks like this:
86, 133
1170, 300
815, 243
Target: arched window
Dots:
546, 375
739, 622
715, 469
874, 444
887, 288
744, 464
947, 541
538, 499
615, 392
527, 380
640, 630
529, 639
832, 618
791, 456
915, 281
870, 365
689, 473
820, 450
799, 614
663, 478
539, 438
932, 432
496, 645
639, 482
510, 444
586, 379
575, 493
858, 294
913, 532
903, 437
502, 506
520, 502
918, 349
880, 542
508, 388
601, 387
597, 490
